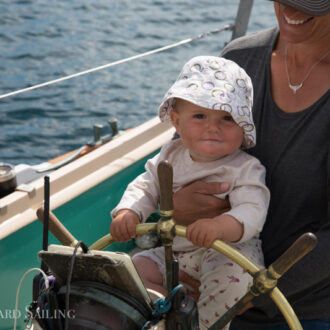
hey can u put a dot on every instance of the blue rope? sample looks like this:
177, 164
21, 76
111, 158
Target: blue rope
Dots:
163, 305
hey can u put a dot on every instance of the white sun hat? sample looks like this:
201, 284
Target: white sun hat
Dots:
215, 83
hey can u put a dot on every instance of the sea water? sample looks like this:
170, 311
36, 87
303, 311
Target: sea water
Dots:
46, 40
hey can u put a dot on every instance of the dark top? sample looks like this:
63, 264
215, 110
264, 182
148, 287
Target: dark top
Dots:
294, 148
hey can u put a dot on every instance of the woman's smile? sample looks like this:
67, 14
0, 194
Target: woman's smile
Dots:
297, 22
294, 18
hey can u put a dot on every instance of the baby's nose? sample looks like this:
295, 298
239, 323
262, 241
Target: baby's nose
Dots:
213, 125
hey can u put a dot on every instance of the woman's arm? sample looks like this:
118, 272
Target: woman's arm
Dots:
196, 201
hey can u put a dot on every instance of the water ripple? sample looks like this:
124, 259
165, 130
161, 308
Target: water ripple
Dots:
45, 40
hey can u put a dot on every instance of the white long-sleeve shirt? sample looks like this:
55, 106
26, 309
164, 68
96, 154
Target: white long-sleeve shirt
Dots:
248, 195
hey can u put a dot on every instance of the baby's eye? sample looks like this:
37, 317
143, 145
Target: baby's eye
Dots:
199, 116
228, 118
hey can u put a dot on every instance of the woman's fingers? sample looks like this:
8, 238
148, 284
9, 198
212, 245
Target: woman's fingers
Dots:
197, 200
191, 284
210, 188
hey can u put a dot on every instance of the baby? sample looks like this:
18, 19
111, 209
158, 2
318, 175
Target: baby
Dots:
210, 107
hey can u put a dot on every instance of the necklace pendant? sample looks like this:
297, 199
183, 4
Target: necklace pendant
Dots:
295, 88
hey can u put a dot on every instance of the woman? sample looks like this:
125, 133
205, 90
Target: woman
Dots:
290, 69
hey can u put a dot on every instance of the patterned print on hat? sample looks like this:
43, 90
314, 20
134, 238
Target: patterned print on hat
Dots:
215, 83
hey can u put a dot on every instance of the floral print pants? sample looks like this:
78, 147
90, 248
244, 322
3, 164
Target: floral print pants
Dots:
223, 282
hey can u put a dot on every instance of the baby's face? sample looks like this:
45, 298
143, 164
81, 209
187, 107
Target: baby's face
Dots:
208, 134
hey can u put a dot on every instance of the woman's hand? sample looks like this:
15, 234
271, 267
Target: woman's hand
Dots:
122, 228
191, 285
196, 201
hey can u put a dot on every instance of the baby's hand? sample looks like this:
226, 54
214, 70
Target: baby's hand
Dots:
203, 232
122, 227
225, 227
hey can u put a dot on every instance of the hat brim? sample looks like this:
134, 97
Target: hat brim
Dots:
309, 7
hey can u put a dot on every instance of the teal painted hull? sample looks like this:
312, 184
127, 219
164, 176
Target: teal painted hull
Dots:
87, 217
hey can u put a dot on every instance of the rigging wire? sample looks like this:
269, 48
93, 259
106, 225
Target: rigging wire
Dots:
127, 59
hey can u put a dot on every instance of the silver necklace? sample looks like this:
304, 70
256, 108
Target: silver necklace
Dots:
295, 88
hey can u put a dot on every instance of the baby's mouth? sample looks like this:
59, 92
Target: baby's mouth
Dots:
212, 139
297, 22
